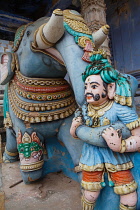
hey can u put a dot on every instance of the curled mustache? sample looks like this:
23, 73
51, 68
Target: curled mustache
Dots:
95, 97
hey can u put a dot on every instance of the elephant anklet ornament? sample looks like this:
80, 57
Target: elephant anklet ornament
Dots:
39, 103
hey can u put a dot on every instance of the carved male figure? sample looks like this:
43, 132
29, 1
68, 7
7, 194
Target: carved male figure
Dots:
108, 99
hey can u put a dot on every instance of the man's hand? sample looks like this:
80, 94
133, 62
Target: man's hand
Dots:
76, 122
113, 139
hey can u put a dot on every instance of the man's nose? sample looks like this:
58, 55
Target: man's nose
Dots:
88, 86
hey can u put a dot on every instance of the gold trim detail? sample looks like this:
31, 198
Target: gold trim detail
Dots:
110, 167
82, 41
42, 96
114, 168
43, 38
126, 189
34, 43
33, 166
68, 14
76, 22
123, 146
87, 205
98, 167
123, 207
26, 138
106, 121
58, 12
134, 124
35, 117
14, 62
123, 100
105, 29
91, 186
8, 121
96, 112
12, 154
30, 106
40, 81
101, 52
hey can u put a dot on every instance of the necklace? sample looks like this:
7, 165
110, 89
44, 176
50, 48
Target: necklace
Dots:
96, 112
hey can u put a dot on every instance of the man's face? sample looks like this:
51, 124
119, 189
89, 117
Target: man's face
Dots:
95, 90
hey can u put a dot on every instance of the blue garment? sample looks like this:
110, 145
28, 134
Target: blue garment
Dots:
93, 155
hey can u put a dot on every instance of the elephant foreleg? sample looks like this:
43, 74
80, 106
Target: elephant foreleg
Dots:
11, 152
30, 149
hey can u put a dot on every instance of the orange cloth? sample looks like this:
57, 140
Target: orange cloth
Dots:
119, 177
92, 176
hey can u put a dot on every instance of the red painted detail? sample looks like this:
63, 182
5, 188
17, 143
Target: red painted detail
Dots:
42, 89
86, 57
87, 52
88, 47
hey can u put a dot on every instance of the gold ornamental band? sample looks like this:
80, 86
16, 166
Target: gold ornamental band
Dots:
109, 167
123, 100
122, 167
68, 14
76, 22
41, 96
40, 81
124, 207
43, 38
91, 186
35, 117
126, 189
58, 12
12, 154
87, 205
123, 146
134, 124
32, 166
97, 167
28, 106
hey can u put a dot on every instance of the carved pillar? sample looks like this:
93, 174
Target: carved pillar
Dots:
94, 13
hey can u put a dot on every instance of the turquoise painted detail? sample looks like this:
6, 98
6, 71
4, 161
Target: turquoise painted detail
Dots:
6, 101
103, 184
108, 74
76, 34
111, 184
18, 35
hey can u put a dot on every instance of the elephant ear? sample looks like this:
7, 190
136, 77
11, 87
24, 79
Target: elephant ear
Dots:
7, 67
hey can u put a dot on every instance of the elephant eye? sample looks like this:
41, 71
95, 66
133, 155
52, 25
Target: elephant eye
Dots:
28, 33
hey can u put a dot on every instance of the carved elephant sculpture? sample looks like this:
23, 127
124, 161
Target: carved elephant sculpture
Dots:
39, 103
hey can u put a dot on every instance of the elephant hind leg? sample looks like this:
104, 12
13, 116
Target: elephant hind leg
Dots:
11, 152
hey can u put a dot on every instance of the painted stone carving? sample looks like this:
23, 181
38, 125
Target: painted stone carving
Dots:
38, 100
108, 98
30, 151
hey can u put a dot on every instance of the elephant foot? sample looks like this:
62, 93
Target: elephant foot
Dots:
31, 176
10, 159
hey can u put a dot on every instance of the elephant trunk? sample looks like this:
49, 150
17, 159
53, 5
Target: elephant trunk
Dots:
100, 36
49, 33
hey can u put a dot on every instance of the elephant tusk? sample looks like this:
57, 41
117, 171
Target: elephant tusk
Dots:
100, 35
49, 33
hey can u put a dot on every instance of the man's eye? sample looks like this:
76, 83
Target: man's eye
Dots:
94, 86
